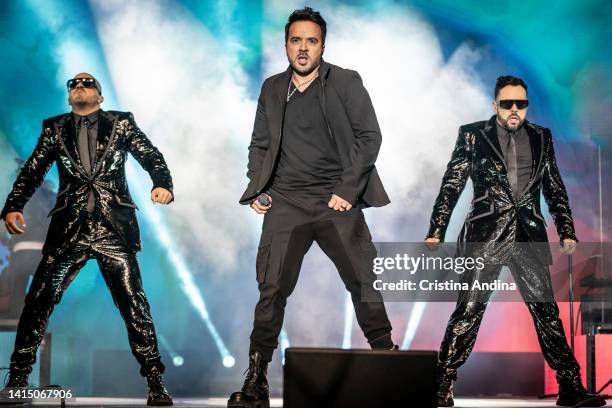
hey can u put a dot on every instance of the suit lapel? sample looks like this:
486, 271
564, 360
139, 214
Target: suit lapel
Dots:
66, 133
536, 139
489, 133
281, 87
107, 129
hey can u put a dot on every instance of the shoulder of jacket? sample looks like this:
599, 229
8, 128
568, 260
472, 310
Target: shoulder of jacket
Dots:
119, 114
473, 127
49, 122
269, 81
341, 75
539, 128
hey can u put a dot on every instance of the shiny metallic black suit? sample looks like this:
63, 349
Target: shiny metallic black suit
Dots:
498, 219
109, 234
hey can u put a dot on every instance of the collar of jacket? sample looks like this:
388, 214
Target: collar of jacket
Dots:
536, 138
283, 84
66, 133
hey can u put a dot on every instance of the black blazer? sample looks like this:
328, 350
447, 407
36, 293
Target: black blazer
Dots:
118, 134
352, 124
495, 215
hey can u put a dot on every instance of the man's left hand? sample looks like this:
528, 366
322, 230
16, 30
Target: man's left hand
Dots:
161, 195
569, 246
339, 204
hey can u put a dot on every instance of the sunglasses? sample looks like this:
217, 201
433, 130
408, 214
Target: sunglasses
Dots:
87, 83
508, 103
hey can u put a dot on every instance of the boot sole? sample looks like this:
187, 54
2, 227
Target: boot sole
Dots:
254, 404
595, 402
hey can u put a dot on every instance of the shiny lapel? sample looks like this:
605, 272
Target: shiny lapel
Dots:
107, 129
66, 134
489, 133
536, 138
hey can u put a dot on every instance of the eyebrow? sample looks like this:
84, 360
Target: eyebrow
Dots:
299, 38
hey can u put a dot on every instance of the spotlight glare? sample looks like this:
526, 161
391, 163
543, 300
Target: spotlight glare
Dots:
229, 361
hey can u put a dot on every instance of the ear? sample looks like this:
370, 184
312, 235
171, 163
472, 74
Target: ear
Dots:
494, 105
100, 99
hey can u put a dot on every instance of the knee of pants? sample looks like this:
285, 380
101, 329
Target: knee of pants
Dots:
546, 310
48, 295
469, 310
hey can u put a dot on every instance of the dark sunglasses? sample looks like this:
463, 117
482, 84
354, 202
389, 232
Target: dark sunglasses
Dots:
507, 103
87, 83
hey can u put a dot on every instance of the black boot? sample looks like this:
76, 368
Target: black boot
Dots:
255, 392
158, 395
445, 380
571, 391
17, 383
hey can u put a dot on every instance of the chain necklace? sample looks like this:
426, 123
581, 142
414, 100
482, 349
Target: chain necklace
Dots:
290, 92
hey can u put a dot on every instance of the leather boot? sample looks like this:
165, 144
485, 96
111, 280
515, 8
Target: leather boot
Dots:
445, 380
255, 392
18, 381
571, 391
158, 395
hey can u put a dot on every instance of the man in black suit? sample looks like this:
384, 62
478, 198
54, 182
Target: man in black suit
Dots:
94, 217
511, 163
311, 171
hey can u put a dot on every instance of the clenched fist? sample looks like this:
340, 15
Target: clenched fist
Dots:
12, 221
161, 195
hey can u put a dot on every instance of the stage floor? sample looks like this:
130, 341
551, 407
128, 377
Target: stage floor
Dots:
277, 402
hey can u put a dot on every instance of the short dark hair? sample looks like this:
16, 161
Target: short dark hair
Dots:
506, 80
306, 14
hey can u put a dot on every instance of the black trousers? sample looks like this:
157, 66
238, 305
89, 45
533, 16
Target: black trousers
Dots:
290, 227
533, 281
119, 268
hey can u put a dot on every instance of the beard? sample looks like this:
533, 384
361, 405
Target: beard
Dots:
304, 71
504, 122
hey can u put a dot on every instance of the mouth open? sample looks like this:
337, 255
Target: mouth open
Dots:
302, 59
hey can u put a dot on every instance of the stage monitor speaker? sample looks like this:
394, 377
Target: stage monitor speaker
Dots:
336, 378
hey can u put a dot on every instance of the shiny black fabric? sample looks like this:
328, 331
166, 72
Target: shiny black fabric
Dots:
118, 135
96, 240
495, 215
496, 220
533, 281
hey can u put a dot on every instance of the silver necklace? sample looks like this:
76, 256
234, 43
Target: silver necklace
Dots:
290, 92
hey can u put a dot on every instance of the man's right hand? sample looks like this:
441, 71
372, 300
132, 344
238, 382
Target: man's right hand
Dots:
432, 243
259, 208
12, 221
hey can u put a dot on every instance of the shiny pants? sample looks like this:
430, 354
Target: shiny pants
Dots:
119, 268
533, 280
290, 227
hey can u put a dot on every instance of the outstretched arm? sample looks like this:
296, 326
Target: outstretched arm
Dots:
555, 195
453, 183
30, 177
151, 159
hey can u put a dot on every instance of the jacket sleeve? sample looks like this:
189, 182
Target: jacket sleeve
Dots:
149, 157
33, 171
555, 194
367, 142
260, 138
453, 183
